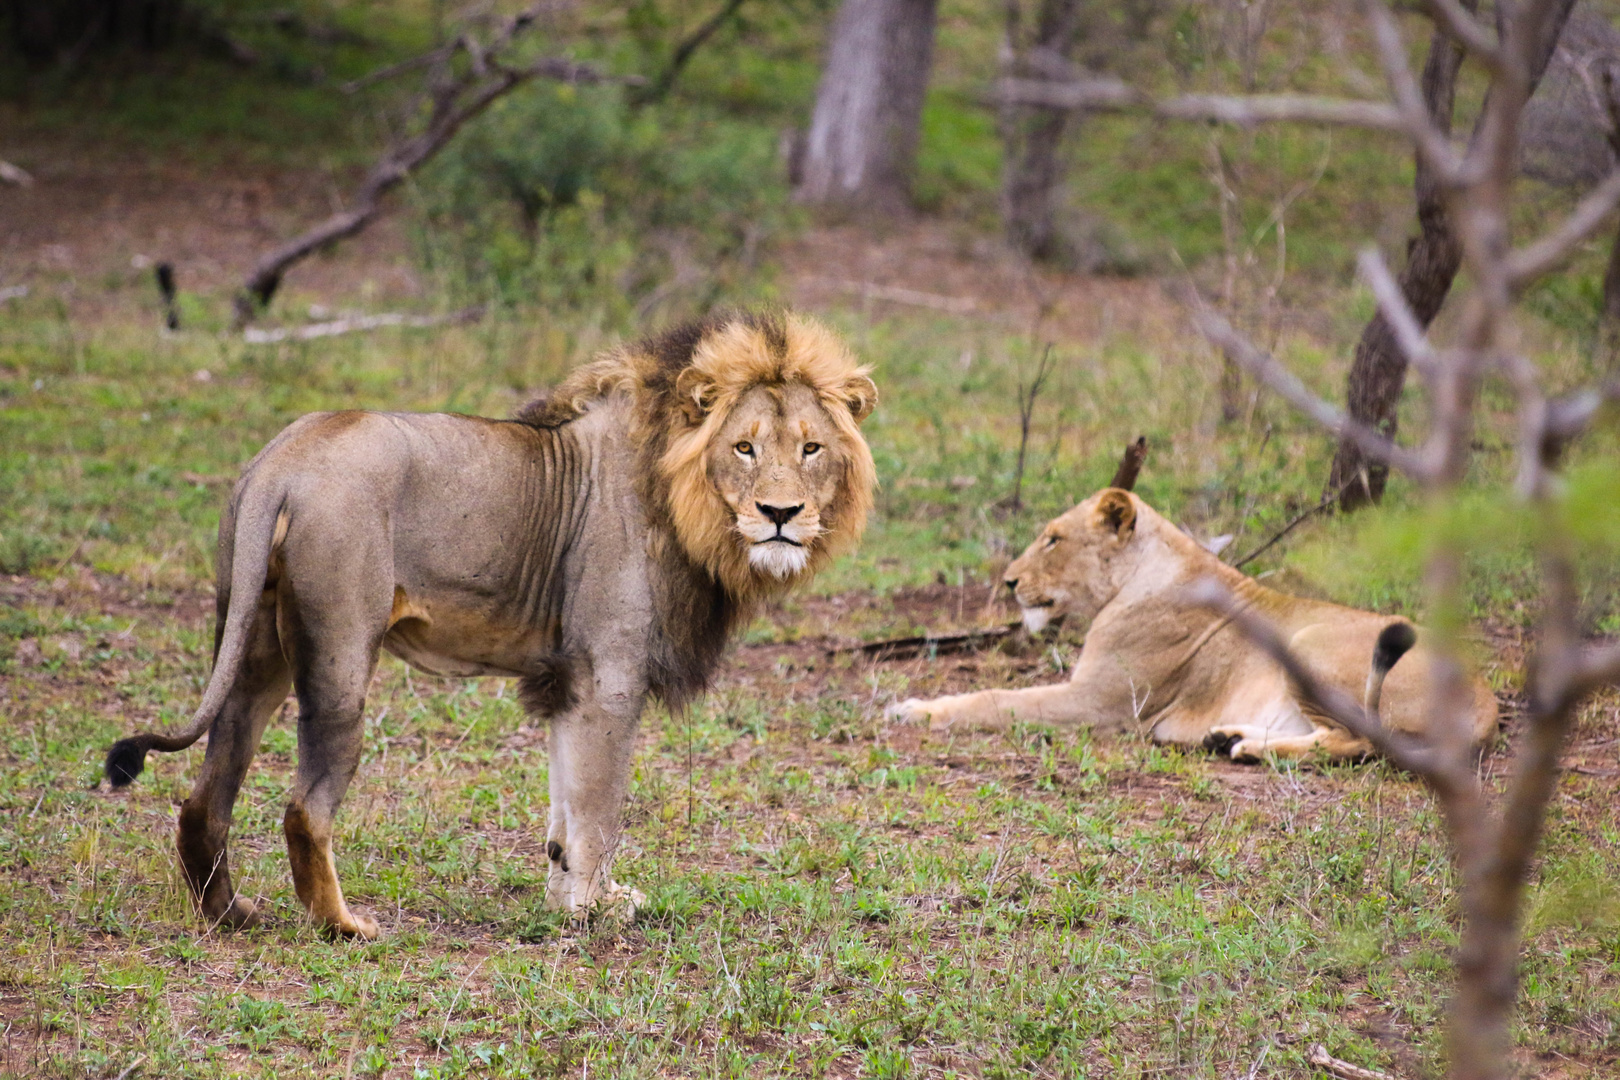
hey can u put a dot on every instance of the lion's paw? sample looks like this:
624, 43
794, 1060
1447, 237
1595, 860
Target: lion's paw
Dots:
1237, 743
909, 711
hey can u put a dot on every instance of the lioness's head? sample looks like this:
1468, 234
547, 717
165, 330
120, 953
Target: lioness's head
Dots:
768, 475
1072, 567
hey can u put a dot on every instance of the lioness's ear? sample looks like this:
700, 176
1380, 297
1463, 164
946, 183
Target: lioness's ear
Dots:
695, 395
860, 394
1116, 511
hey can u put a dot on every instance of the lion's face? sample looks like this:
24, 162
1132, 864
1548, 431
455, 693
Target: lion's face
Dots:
1071, 568
778, 460
769, 475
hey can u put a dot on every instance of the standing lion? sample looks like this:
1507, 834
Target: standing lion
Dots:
600, 547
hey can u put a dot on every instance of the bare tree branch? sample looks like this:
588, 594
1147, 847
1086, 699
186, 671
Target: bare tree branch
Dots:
1265, 367
1245, 110
1548, 252
1409, 333
1462, 26
1429, 140
683, 53
454, 102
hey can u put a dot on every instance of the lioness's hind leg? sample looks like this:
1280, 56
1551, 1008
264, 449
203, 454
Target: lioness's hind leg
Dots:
205, 817
1253, 743
334, 654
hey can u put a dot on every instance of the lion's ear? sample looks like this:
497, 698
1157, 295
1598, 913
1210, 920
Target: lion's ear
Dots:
696, 395
1116, 511
860, 394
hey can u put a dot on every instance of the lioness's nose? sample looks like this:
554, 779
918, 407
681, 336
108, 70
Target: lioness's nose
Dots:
1011, 583
779, 515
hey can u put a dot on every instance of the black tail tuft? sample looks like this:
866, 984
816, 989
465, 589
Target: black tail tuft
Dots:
125, 760
1393, 643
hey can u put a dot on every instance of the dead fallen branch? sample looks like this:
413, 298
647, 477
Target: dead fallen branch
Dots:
894, 294
1130, 465
355, 323
1343, 1069
455, 99
11, 174
930, 645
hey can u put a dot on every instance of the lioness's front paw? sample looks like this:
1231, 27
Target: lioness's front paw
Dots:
620, 901
909, 711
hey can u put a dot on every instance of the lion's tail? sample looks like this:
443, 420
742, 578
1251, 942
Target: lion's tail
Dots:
256, 526
1394, 642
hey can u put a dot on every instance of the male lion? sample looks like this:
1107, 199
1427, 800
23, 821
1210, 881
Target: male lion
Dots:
600, 547
1154, 661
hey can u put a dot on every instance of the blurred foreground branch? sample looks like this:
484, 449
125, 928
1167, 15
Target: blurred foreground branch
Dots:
456, 97
1494, 838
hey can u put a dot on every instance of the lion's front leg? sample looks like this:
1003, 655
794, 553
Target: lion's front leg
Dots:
1058, 704
592, 748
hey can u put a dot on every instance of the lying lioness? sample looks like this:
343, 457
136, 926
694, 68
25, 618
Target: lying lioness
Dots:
1154, 661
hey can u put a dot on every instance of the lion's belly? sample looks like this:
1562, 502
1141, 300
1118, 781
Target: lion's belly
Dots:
447, 641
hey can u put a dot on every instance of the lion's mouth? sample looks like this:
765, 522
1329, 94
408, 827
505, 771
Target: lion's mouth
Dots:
1037, 616
780, 539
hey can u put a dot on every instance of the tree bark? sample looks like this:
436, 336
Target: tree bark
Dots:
862, 143
1033, 171
1378, 373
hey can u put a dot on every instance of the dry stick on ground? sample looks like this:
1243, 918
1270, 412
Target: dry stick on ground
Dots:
1494, 839
455, 99
1130, 464
905, 648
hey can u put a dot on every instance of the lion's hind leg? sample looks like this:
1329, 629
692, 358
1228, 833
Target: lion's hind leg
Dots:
335, 634
1246, 743
233, 738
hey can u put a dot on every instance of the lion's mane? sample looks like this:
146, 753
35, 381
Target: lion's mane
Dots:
683, 384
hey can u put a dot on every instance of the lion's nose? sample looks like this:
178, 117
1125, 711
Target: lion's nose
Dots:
779, 515
1011, 583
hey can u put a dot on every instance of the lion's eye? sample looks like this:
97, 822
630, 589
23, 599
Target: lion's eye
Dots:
811, 449
1051, 541
745, 448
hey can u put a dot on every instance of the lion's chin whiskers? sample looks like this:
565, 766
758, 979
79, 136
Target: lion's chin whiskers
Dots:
778, 559
1037, 618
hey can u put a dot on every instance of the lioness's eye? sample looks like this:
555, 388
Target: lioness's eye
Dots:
811, 449
745, 448
1051, 541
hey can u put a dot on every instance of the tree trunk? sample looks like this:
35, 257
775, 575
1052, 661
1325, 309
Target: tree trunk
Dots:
862, 143
1032, 172
55, 30
1378, 373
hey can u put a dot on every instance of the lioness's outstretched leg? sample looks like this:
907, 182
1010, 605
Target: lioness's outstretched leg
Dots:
1246, 743
205, 817
592, 747
1056, 704
334, 649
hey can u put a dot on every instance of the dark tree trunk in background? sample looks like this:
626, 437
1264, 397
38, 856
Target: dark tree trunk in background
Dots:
1032, 135
47, 30
862, 142
1433, 257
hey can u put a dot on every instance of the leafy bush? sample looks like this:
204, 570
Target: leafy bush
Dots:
569, 198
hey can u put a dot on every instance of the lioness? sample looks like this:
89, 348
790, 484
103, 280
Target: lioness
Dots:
1156, 662
600, 547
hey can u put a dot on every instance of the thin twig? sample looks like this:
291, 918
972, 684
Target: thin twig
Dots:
1327, 501
1548, 252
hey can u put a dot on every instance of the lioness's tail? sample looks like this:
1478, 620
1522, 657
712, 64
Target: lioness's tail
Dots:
1394, 641
256, 526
